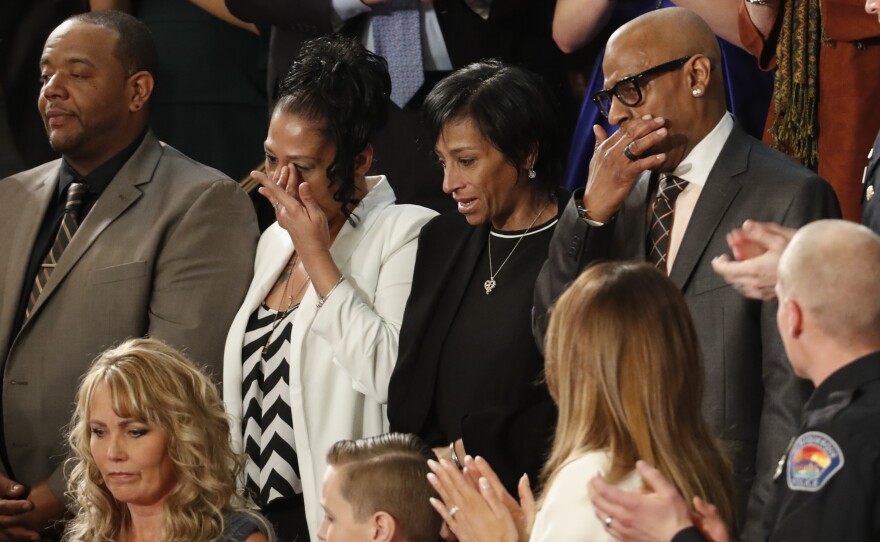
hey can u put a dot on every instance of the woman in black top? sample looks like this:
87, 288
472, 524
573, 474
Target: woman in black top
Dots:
468, 378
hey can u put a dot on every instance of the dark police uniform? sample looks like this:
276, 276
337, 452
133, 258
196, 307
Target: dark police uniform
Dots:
827, 486
871, 180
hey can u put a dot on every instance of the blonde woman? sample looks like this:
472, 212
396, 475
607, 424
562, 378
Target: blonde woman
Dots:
152, 458
622, 364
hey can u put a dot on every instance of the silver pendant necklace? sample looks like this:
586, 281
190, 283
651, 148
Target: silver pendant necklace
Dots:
490, 283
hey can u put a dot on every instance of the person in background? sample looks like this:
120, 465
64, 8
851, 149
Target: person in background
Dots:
310, 352
824, 111
666, 188
826, 485
220, 124
151, 453
623, 365
122, 237
468, 379
375, 490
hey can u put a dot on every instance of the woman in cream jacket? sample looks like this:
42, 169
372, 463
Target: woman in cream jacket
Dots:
310, 353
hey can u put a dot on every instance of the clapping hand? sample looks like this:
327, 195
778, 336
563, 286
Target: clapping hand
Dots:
475, 505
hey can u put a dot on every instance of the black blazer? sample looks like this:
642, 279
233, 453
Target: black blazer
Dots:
752, 400
514, 438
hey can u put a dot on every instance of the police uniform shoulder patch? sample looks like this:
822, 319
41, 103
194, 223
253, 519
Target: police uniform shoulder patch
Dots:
814, 459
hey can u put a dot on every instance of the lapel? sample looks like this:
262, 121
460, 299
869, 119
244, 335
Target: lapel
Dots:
347, 241
37, 194
349, 237
439, 283
119, 195
631, 234
452, 277
719, 192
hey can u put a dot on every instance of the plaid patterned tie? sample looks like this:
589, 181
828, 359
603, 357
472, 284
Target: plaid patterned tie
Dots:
397, 36
69, 223
662, 215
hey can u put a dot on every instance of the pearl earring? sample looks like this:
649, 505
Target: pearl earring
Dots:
697, 92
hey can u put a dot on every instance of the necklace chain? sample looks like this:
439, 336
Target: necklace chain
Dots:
490, 284
290, 298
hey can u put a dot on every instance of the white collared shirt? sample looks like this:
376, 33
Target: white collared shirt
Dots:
695, 169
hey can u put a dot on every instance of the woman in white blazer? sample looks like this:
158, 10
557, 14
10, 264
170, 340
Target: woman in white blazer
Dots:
310, 353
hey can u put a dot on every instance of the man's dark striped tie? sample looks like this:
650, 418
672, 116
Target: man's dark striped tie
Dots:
662, 214
69, 223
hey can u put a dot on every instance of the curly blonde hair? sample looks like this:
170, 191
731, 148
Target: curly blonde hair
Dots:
152, 382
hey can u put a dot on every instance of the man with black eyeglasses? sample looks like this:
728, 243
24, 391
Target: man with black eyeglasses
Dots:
666, 188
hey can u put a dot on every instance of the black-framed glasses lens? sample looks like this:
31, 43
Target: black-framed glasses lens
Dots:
628, 89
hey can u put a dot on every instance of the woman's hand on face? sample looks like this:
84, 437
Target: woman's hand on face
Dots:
303, 219
474, 514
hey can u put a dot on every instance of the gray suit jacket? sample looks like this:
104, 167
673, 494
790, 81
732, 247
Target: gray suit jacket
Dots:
167, 251
752, 400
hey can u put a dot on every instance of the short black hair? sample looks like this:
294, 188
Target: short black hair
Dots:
135, 47
512, 107
335, 80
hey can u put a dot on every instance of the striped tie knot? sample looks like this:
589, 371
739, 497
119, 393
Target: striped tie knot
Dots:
76, 193
662, 215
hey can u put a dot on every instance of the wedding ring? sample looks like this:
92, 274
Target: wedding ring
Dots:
277, 204
608, 521
629, 154
453, 511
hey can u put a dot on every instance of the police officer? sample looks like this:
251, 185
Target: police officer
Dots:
827, 484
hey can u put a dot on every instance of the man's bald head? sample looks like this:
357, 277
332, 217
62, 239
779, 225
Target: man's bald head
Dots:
830, 269
668, 33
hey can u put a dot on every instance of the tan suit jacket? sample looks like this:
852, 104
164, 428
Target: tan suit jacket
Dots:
166, 251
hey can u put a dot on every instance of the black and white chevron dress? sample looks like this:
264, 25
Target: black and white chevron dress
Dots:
267, 426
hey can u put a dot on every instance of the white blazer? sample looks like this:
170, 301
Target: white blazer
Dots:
567, 514
342, 354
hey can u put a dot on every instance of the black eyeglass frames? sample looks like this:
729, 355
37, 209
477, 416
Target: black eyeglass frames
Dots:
628, 90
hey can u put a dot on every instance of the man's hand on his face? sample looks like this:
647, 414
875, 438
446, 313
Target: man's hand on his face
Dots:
613, 170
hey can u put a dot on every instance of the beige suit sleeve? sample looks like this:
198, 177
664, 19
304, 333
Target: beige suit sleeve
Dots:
202, 274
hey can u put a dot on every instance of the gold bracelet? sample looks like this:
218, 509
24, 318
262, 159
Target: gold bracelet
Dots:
323, 299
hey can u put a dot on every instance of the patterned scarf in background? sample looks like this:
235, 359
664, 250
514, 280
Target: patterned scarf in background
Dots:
795, 129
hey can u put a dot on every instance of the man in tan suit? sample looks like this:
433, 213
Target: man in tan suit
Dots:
161, 246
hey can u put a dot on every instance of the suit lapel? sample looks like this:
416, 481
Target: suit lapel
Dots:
441, 284
37, 194
719, 192
631, 235
119, 195
451, 281
349, 237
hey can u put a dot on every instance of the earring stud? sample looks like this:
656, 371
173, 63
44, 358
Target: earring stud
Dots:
697, 92
532, 173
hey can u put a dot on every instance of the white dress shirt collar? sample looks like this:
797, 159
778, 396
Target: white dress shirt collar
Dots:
699, 162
